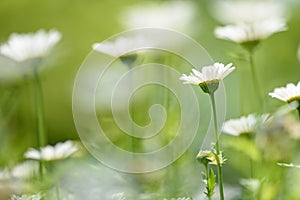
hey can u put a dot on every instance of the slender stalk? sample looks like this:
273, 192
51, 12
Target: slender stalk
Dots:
256, 82
57, 190
298, 111
207, 177
220, 176
134, 140
39, 107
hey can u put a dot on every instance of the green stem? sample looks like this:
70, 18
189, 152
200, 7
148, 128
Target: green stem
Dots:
252, 171
57, 191
219, 166
39, 107
134, 140
256, 82
207, 177
298, 111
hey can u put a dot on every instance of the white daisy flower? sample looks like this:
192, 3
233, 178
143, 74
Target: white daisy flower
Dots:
235, 12
210, 76
288, 94
176, 15
250, 32
22, 47
60, 151
244, 124
25, 170
26, 197
121, 46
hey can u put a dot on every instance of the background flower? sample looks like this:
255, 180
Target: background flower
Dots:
21, 47
288, 94
60, 151
176, 15
255, 31
243, 125
235, 12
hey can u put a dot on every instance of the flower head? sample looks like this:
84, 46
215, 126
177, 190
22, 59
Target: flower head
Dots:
25, 170
288, 94
22, 47
210, 76
26, 197
250, 32
243, 125
49, 153
208, 157
171, 15
235, 12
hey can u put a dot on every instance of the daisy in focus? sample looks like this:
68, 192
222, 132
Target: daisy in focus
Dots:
26, 197
243, 125
210, 76
23, 47
51, 153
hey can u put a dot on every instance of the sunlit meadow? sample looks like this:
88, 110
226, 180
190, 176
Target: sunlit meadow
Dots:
150, 100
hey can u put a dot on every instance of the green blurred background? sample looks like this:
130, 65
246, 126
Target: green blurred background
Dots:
84, 22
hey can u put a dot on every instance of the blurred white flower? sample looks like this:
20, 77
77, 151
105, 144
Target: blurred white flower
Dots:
121, 46
60, 151
235, 12
179, 198
244, 124
22, 47
210, 76
118, 196
26, 197
250, 32
288, 94
25, 170
4, 174
176, 15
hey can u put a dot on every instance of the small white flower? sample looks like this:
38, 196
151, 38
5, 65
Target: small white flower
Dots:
250, 32
235, 12
288, 94
25, 170
26, 197
49, 153
176, 15
243, 125
210, 76
22, 47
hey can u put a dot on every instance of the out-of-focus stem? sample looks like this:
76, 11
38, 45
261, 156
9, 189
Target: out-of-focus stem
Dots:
260, 100
39, 108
